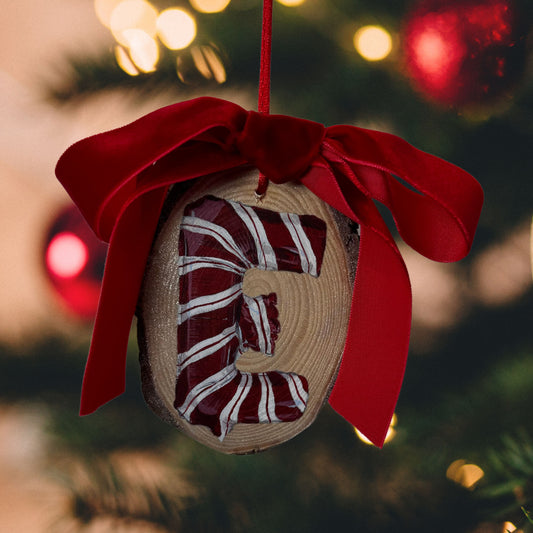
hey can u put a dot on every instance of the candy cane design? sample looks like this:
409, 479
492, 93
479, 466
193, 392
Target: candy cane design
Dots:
219, 241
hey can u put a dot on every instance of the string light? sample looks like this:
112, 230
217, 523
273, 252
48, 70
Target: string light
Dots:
467, 475
210, 6
133, 14
373, 43
200, 62
176, 28
180, 68
124, 61
136, 23
391, 433
208, 63
509, 527
144, 51
215, 64
103, 9
291, 3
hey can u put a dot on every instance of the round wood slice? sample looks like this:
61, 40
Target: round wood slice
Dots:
313, 312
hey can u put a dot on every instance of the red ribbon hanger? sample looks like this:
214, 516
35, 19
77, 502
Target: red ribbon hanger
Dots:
119, 180
263, 95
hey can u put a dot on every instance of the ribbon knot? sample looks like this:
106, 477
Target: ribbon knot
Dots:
281, 147
112, 179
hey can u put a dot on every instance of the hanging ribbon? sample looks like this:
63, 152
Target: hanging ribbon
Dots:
119, 180
263, 96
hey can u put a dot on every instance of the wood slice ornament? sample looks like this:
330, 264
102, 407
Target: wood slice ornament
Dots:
120, 180
240, 344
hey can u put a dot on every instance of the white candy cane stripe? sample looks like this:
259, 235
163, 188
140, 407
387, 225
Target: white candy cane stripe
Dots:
266, 257
298, 393
230, 414
258, 313
187, 264
206, 347
210, 302
266, 411
267, 334
307, 256
205, 388
204, 227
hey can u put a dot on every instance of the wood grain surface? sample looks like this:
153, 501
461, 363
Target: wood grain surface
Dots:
313, 312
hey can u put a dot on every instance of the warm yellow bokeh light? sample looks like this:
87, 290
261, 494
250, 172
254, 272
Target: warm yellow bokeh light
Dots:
104, 8
391, 433
291, 3
133, 14
501, 274
143, 48
215, 63
208, 63
509, 527
124, 61
373, 43
179, 69
210, 6
176, 28
200, 62
465, 474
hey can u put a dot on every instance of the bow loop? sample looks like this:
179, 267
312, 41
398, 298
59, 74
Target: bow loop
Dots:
435, 205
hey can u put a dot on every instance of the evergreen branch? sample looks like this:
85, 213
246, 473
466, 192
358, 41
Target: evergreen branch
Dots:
513, 465
104, 488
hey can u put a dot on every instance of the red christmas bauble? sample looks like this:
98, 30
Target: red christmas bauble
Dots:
74, 262
463, 52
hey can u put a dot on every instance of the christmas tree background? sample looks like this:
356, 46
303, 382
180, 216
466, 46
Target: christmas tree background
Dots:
460, 457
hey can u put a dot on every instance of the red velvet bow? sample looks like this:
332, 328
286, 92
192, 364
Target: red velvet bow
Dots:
119, 180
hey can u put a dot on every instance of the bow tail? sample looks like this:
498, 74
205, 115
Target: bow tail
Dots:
130, 243
374, 358
135, 218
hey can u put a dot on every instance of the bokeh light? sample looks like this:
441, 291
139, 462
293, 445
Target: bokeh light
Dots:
133, 14
104, 8
291, 3
144, 51
200, 62
391, 433
176, 28
373, 43
73, 259
210, 6
66, 255
501, 273
437, 52
465, 53
467, 475
208, 63
124, 61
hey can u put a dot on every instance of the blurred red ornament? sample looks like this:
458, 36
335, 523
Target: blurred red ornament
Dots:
463, 52
74, 261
